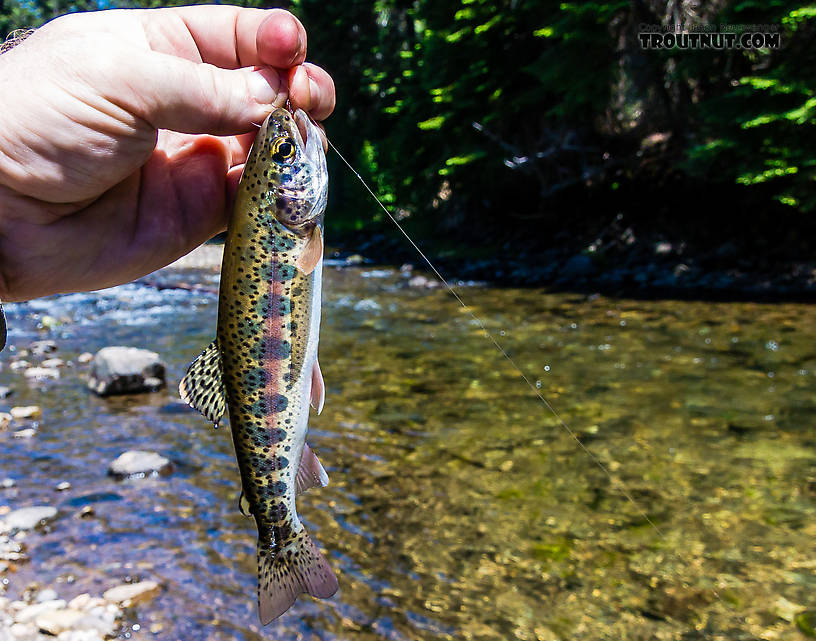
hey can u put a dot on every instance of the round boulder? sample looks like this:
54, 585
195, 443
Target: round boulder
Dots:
126, 370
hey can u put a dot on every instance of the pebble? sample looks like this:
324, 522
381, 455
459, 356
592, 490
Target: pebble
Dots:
61, 487
7, 483
138, 463
41, 373
28, 432
30, 612
355, 259
26, 411
85, 357
126, 370
19, 365
5, 419
27, 518
5, 392
130, 594
58, 621
53, 362
47, 594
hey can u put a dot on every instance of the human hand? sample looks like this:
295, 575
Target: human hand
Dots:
123, 134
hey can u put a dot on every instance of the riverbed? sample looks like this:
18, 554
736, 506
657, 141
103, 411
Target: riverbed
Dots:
674, 498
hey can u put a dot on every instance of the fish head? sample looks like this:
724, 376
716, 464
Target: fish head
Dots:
290, 165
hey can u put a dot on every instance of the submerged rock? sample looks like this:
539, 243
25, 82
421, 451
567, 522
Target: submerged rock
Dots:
85, 357
28, 432
130, 594
41, 373
28, 518
138, 463
42, 347
5, 392
126, 370
26, 411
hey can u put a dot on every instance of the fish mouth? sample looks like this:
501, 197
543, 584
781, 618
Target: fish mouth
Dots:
305, 128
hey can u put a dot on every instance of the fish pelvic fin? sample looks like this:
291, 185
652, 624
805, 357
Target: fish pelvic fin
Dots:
202, 388
286, 572
311, 472
318, 388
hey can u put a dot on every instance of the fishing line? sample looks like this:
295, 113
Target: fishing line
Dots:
618, 486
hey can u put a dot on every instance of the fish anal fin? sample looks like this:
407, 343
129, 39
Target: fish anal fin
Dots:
203, 386
311, 472
288, 571
318, 388
312, 253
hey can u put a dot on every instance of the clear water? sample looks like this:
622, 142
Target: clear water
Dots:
458, 507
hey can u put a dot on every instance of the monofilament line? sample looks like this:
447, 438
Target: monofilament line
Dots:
618, 486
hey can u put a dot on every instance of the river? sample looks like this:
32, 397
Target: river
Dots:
459, 507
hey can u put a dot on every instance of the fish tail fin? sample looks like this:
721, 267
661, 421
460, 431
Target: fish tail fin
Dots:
285, 573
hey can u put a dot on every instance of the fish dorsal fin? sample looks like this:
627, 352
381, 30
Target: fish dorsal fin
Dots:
312, 253
243, 505
202, 388
311, 472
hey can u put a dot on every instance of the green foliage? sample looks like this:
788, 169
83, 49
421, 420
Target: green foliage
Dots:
760, 129
467, 114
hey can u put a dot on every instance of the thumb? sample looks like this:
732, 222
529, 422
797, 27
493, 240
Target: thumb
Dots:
194, 98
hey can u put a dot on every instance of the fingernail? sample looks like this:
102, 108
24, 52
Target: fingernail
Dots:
300, 88
314, 93
264, 85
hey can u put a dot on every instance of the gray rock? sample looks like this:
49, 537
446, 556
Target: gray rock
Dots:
29, 517
138, 463
41, 373
126, 370
42, 347
578, 265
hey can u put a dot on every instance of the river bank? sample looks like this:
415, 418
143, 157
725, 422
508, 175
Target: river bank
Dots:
617, 263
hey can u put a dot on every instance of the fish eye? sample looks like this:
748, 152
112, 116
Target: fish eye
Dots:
283, 150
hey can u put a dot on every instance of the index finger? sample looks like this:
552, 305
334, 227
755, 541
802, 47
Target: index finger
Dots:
232, 37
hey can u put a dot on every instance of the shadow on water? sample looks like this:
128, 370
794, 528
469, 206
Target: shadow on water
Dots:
458, 508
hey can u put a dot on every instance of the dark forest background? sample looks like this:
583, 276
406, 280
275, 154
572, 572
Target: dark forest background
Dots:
523, 127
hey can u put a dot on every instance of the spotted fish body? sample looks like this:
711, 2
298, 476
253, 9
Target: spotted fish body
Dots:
263, 364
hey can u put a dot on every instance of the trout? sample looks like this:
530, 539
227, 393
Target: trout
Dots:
262, 366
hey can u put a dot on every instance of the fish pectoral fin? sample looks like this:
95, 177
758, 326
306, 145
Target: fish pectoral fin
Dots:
202, 387
312, 253
294, 568
311, 472
318, 388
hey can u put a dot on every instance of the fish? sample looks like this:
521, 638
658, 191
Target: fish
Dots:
262, 367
